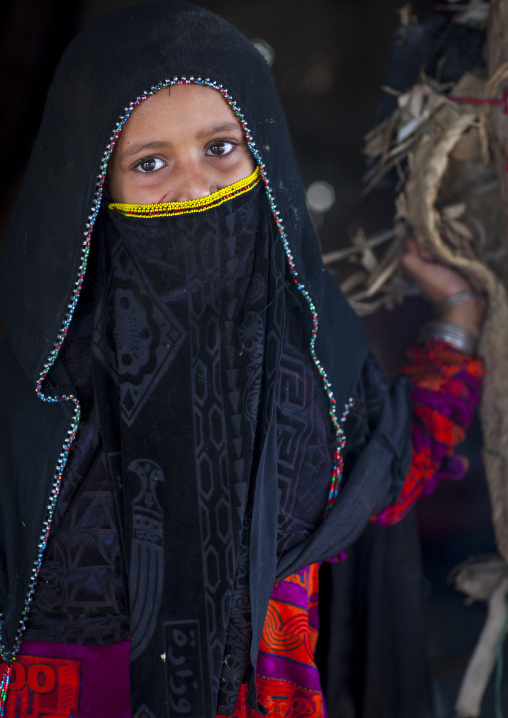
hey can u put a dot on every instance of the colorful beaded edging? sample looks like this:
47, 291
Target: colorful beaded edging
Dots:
9, 657
169, 209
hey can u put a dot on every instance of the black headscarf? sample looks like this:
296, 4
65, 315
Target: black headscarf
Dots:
108, 69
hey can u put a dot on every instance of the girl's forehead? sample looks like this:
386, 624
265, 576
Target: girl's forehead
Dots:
180, 107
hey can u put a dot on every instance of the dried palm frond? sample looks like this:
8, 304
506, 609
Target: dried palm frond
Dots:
449, 197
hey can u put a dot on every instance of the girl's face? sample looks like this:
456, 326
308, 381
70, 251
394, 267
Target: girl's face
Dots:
178, 146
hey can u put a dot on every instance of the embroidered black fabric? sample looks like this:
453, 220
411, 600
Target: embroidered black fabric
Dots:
160, 286
81, 599
81, 596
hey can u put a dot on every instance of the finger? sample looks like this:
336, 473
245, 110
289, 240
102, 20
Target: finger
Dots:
414, 251
412, 261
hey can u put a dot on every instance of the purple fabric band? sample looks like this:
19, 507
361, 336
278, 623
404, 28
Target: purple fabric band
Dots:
284, 669
279, 667
92, 680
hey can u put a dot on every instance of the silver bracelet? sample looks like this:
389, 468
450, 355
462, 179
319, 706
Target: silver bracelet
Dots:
451, 333
456, 299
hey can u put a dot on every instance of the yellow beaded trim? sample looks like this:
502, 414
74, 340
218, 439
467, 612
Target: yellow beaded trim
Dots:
168, 209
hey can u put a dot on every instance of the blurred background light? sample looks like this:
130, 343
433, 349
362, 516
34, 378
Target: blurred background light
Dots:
265, 49
320, 196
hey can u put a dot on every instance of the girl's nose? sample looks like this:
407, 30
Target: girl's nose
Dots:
188, 182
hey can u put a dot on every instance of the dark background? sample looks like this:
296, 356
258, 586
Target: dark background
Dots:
330, 63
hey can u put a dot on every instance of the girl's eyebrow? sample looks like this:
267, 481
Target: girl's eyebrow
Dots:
216, 129
133, 149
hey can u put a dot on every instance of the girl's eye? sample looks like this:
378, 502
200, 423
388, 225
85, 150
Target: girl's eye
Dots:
149, 164
221, 148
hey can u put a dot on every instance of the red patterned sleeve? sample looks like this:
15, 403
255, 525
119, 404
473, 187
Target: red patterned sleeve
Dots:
447, 389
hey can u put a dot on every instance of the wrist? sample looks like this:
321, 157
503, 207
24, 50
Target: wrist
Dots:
453, 334
468, 314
